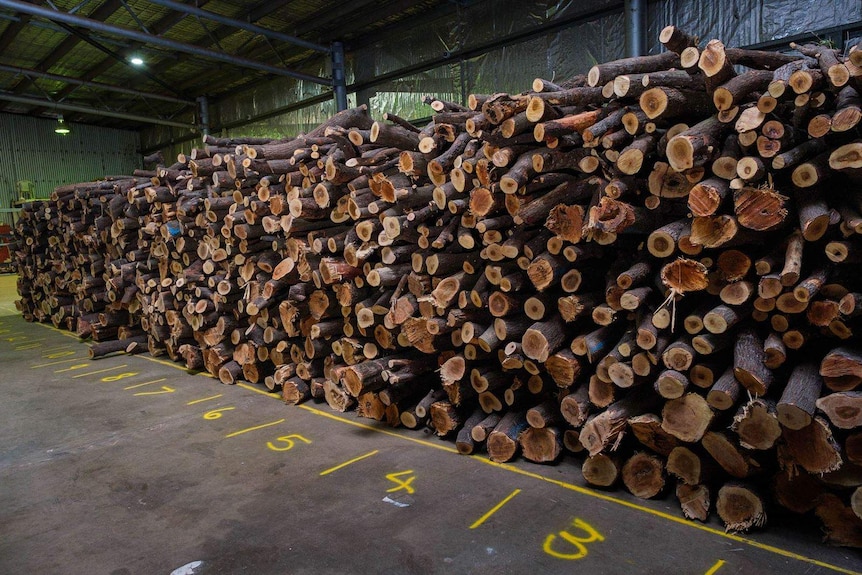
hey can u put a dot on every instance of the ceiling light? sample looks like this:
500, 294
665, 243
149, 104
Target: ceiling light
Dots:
62, 127
137, 61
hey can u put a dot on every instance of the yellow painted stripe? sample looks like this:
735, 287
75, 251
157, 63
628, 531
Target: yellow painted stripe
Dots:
50, 363
27, 346
439, 446
50, 350
204, 399
60, 331
273, 394
75, 367
145, 383
99, 371
494, 509
346, 463
255, 428
714, 569
163, 362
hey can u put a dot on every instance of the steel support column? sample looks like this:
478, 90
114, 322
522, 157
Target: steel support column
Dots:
339, 83
635, 25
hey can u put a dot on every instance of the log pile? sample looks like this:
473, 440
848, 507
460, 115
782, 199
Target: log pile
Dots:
650, 265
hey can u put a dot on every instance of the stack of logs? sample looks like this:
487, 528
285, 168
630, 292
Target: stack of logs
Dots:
651, 264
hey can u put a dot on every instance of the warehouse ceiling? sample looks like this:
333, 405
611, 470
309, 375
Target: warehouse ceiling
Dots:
75, 57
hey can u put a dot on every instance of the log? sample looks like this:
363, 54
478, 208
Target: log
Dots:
813, 447
798, 401
687, 418
601, 470
643, 475
740, 507
757, 424
694, 500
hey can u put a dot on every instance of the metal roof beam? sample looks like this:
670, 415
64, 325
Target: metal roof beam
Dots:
99, 26
265, 32
97, 85
14, 98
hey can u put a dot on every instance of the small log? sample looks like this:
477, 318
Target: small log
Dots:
798, 401
648, 431
748, 363
756, 424
813, 447
541, 445
687, 465
643, 475
687, 418
740, 507
694, 501
728, 455
843, 408
503, 442
724, 392
601, 470
842, 525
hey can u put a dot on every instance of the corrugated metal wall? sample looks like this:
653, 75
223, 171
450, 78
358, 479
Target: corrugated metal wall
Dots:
30, 150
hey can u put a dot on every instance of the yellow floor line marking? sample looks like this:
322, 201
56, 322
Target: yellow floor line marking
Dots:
75, 367
27, 346
50, 363
99, 371
255, 428
145, 383
204, 399
715, 568
495, 509
50, 350
60, 331
164, 362
273, 394
378, 429
346, 463
165, 389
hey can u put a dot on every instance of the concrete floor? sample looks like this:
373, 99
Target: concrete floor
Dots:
129, 465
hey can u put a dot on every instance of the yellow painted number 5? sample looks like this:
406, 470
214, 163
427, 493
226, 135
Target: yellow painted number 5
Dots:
288, 442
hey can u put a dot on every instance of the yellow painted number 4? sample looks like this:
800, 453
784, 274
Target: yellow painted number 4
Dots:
288, 442
577, 548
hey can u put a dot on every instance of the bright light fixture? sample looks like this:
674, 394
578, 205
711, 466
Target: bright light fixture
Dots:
62, 127
137, 61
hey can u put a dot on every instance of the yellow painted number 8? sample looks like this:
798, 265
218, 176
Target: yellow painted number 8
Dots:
119, 376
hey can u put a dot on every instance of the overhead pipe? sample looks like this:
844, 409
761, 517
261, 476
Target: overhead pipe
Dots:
4, 96
90, 84
99, 26
635, 27
267, 33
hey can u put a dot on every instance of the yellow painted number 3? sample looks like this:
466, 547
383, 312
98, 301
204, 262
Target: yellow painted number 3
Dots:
578, 545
